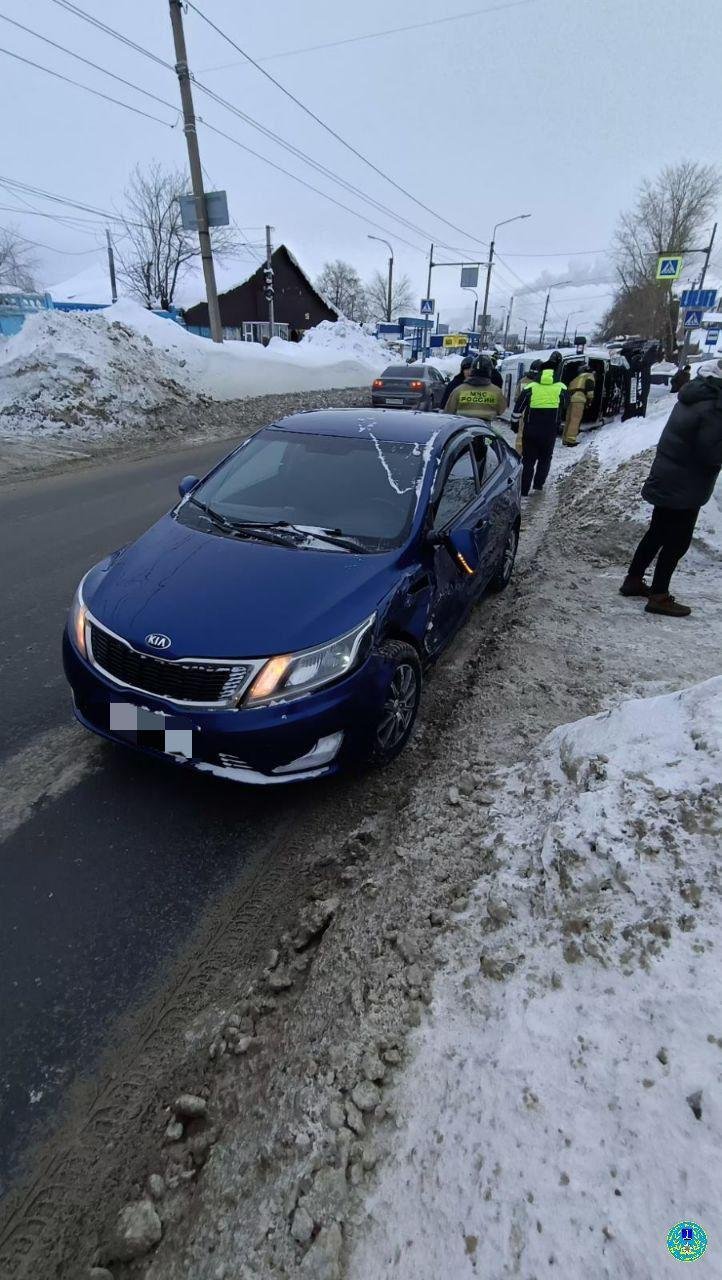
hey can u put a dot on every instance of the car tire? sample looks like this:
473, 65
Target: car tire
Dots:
401, 704
502, 577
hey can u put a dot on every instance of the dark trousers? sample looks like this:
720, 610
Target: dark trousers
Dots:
536, 455
669, 533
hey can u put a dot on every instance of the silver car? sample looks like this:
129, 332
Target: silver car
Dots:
403, 386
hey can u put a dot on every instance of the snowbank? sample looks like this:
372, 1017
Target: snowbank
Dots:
104, 370
563, 1105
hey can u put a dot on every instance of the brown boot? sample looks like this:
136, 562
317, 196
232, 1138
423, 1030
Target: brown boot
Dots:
667, 605
634, 587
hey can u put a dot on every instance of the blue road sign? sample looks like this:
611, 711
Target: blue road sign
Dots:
427, 306
669, 266
699, 298
693, 317
712, 338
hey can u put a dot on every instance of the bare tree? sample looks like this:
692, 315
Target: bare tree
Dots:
377, 291
155, 251
340, 283
17, 261
669, 216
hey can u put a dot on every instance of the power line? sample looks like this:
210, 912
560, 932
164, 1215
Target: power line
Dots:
53, 217
375, 35
102, 26
129, 83
68, 253
95, 92
302, 155
73, 204
349, 146
229, 138
78, 12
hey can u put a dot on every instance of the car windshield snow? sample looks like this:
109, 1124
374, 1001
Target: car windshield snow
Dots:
357, 488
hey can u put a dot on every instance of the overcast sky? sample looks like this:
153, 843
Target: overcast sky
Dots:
553, 107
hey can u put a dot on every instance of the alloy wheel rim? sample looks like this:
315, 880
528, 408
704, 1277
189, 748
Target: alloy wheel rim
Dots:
399, 707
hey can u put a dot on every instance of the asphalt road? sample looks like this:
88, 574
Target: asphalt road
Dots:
102, 879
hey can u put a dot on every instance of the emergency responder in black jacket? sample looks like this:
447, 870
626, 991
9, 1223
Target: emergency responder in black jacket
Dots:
684, 473
540, 405
458, 381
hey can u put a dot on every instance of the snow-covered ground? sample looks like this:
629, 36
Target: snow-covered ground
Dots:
96, 372
562, 1107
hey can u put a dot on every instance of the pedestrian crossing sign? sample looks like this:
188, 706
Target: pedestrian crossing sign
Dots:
669, 267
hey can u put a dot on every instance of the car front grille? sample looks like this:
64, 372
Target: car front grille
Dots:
204, 683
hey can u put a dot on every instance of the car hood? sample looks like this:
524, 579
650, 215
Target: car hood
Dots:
214, 596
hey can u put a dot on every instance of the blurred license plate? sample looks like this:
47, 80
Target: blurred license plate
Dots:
144, 728
394, 400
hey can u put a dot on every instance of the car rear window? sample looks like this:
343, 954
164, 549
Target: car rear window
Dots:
401, 371
359, 485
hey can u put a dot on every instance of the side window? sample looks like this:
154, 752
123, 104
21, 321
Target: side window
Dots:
487, 458
434, 374
458, 491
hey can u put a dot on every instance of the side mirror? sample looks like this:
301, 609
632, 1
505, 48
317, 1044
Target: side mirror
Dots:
462, 546
186, 484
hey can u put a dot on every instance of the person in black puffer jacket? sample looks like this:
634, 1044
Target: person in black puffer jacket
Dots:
684, 473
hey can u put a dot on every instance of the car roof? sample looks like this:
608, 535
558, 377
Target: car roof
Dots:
392, 425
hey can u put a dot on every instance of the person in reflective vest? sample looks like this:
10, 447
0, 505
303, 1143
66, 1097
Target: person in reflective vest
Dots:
478, 397
581, 394
540, 406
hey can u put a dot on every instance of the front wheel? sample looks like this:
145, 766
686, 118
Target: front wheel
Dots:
502, 577
401, 704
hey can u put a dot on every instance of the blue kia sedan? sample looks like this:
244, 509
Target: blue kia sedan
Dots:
276, 624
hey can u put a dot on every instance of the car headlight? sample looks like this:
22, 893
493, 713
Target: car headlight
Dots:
291, 674
77, 620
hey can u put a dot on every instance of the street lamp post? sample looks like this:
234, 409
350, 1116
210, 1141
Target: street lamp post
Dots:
518, 218
560, 285
566, 322
467, 289
389, 295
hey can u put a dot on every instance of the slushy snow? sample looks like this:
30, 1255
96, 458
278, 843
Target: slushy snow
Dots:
562, 1109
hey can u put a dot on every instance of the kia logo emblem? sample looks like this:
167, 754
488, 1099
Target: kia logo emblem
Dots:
155, 640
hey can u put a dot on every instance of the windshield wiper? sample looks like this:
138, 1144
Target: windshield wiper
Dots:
260, 529
335, 536
268, 529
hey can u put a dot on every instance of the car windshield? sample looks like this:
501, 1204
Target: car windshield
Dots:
356, 487
402, 371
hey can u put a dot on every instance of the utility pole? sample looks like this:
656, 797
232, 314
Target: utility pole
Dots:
111, 265
194, 163
544, 320
508, 319
482, 334
268, 273
391, 289
523, 341
428, 294
707, 256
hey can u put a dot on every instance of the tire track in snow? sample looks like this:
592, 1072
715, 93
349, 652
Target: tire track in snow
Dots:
51, 764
